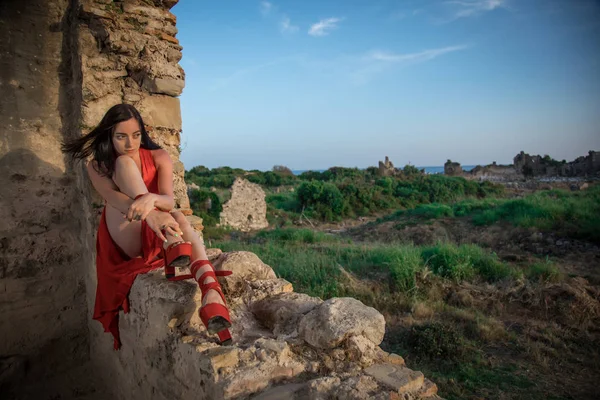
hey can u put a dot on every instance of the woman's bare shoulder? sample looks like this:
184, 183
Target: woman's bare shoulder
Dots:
161, 156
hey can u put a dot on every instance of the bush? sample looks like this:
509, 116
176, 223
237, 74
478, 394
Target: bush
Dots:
436, 341
282, 170
544, 271
199, 200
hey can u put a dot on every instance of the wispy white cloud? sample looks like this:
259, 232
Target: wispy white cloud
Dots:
286, 25
471, 8
324, 26
265, 8
271, 12
378, 61
242, 72
425, 55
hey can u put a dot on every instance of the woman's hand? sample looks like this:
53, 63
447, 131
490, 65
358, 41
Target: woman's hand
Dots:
140, 208
160, 221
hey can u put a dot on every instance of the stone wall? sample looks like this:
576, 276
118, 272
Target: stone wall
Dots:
247, 208
63, 63
537, 165
452, 168
386, 168
43, 328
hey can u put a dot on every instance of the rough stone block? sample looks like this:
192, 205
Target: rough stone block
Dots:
222, 357
287, 392
339, 318
283, 311
93, 111
400, 379
168, 86
161, 111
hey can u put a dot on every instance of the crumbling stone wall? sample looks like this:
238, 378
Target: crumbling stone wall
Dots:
43, 323
247, 208
452, 168
386, 168
63, 63
540, 166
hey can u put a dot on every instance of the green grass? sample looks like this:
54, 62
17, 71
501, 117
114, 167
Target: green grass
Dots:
312, 261
575, 214
465, 262
544, 271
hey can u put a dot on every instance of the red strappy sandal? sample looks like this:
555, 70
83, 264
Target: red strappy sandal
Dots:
213, 315
177, 255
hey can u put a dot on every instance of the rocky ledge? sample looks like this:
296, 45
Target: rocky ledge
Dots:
287, 345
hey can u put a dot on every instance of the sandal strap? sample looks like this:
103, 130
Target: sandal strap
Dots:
175, 244
169, 256
212, 286
196, 265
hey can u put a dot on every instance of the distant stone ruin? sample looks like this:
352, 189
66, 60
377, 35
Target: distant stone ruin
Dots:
247, 208
527, 166
386, 168
546, 166
452, 168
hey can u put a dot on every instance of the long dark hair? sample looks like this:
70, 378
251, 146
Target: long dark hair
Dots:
99, 141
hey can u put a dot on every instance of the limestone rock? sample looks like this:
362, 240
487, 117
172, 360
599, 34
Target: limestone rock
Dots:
161, 111
339, 318
93, 111
213, 254
287, 392
247, 208
245, 266
361, 387
169, 86
400, 379
259, 289
281, 313
321, 388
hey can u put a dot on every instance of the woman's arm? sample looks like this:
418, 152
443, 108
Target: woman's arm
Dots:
165, 199
108, 190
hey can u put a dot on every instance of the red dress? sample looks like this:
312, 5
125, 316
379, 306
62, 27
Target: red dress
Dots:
116, 271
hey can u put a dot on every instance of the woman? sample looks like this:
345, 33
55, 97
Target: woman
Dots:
134, 175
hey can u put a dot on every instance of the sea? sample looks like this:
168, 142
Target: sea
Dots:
428, 170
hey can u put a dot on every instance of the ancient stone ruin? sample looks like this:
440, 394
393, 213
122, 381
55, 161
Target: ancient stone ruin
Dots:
526, 166
452, 168
545, 166
386, 168
63, 64
247, 208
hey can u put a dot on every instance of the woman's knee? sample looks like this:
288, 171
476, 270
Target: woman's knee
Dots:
124, 162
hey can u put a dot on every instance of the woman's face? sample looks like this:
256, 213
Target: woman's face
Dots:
127, 137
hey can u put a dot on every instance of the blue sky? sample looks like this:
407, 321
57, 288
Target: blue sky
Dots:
315, 84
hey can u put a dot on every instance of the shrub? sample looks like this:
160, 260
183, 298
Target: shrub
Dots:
282, 170
544, 271
436, 341
198, 203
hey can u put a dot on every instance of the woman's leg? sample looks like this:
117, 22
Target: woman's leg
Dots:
198, 253
126, 234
